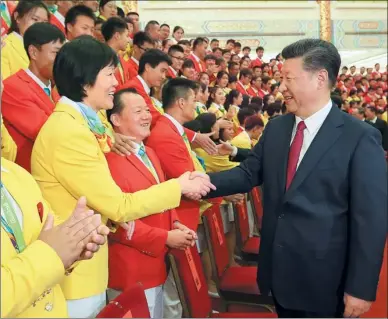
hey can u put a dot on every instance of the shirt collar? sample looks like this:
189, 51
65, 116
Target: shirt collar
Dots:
178, 125
315, 121
195, 57
60, 17
134, 60
137, 147
66, 100
173, 70
145, 85
38, 81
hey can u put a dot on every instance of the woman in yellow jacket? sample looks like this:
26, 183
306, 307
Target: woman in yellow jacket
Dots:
232, 105
216, 101
13, 55
252, 129
34, 254
68, 161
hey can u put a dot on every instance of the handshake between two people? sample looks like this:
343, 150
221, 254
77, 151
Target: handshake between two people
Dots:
195, 185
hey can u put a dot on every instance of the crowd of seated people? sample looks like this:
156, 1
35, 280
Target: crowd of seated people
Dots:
93, 106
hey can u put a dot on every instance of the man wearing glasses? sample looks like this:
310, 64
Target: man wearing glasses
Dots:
177, 56
142, 42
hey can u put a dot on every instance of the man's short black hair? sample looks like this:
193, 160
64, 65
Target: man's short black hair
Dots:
175, 48
132, 13
40, 34
198, 41
175, 89
77, 11
184, 42
149, 24
273, 108
243, 114
210, 57
165, 25
78, 63
142, 37
237, 45
118, 105
231, 41
316, 54
245, 73
113, 25
188, 64
246, 48
259, 49
231, 64
153, 57
104, 2
214, 40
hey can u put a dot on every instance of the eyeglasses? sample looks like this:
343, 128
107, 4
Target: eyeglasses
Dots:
175, 57
144, 49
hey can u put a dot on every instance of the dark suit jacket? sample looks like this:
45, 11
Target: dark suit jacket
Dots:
380, 125
326, 233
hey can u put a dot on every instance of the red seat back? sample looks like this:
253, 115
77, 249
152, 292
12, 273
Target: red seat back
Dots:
216, 239
191, 283
131, 303
258, 206
242, 222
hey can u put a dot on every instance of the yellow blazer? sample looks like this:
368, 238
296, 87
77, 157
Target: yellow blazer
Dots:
13, 56
67, 163
215, 163
8, 146
242, 140
219, 111
25, 277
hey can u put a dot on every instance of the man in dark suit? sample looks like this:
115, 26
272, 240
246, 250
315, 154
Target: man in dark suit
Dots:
371, 118
325, 194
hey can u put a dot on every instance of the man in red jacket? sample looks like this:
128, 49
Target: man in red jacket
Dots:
27, 98
177, 55
137, 251
198, 55
153, 67
142, 42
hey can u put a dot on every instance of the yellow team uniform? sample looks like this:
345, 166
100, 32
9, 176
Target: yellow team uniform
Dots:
13, 55
29, 279
67, 162
8, 146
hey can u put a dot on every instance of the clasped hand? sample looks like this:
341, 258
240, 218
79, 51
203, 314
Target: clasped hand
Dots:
195, 185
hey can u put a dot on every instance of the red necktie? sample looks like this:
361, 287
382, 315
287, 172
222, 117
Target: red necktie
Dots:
293, 156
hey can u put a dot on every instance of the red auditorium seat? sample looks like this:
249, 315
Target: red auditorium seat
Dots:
131, 303
234, 284
193, 290
248, 246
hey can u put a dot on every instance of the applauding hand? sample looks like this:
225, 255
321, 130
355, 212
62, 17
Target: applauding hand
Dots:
79, 237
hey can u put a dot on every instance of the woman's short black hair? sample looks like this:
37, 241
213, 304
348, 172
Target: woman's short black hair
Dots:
103, 3
78, 63
23, 8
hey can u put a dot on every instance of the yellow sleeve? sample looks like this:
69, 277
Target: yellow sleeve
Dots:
8, 146
80, 169
241, 142
27, 275
5, 63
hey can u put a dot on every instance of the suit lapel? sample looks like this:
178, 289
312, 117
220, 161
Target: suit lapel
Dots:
325, 138
140, 166
38, 91
284, 147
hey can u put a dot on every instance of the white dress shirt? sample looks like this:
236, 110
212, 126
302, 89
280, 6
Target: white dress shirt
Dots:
313, 124
178, 125
38, 81
147, 89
